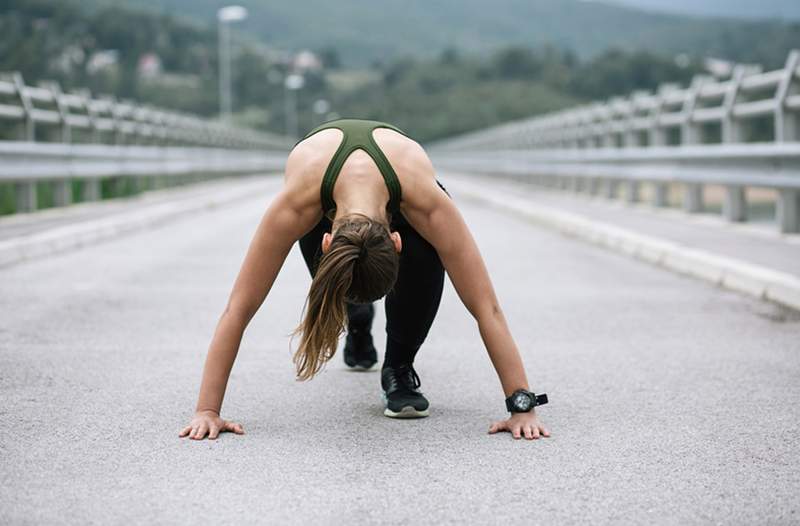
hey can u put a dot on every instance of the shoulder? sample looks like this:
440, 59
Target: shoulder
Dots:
408, 158
305, 167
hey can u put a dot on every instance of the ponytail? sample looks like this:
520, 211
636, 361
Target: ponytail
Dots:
360, 266
325, 310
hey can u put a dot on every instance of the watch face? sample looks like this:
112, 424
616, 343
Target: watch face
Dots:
521, 401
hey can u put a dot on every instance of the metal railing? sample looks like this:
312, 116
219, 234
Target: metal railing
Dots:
58, 137
700, 135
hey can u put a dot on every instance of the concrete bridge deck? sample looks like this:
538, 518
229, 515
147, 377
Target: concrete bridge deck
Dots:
671, 401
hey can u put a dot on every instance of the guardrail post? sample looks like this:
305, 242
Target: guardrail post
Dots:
25, 103
25, 196
656, 135
660, 194
91, 189
63, 111
593, 185
731, 127
693, 197
62, 192
691, 133
788, 210
786, 125
632, 191
610, 189
734, 208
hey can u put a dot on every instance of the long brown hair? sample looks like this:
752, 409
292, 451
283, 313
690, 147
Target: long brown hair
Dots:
361, 266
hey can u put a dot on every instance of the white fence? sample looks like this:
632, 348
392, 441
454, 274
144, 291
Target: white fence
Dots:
694, 136
58, 137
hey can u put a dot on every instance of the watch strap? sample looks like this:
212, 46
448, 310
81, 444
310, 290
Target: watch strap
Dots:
539, 399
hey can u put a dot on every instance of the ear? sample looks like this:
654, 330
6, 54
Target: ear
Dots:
398, 243
326, 242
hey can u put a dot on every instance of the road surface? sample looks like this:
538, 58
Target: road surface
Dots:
671, 401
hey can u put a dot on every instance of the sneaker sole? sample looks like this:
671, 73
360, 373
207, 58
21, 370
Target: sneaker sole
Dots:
406, 412
361, 368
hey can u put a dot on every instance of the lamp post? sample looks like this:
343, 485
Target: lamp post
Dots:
292, 83
321, 107
226, 16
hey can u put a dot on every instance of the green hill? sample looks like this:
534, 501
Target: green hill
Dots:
379, 30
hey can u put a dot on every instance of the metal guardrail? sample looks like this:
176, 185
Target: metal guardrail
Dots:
693, 136
66, 136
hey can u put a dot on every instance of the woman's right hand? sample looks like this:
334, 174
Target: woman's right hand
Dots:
209, 422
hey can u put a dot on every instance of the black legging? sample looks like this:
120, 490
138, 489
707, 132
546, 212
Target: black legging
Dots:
412, 304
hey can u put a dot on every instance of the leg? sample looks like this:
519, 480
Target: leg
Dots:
412, 305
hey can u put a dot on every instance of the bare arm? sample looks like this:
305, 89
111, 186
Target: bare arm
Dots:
435, 216
286, 219
444, 227
281, 225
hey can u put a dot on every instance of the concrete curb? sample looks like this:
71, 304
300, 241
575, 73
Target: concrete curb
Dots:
73, 236
733, 274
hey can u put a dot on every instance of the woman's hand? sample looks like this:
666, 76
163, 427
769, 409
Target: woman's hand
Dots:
520, 424
209, 422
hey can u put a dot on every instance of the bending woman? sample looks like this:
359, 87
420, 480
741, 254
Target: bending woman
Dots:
372, 220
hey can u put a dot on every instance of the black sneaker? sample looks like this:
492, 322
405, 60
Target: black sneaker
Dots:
359, 351
401, 397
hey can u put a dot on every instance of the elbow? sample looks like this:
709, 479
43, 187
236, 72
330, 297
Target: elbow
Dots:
488, 312
238, 314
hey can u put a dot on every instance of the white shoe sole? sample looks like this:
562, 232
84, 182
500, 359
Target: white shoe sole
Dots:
406, 412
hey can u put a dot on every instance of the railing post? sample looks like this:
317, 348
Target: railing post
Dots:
786, 122
731, 127
62, 192
610, 189
734, 208
593, 185
660, 194
632, 191
62, 188
788, 210
691, 133
27, 106
693, 197
63, 111
91, 189
25, 196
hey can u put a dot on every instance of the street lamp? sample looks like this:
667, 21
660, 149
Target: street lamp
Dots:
292, 83
226, 16
321, 107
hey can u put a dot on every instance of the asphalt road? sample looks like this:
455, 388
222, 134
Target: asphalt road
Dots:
671, 401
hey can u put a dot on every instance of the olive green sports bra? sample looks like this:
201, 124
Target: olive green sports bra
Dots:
357, 134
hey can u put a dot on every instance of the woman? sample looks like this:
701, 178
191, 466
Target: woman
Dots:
367, 227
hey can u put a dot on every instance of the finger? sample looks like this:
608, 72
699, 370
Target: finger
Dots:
528, 433
213, 433
516, 432
233, 426
535, 432
201, 431
185, 431
545, 432
493, 428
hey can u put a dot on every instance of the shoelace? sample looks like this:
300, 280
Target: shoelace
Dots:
408, 377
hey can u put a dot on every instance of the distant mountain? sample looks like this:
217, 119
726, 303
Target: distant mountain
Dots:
787, 9
363, 31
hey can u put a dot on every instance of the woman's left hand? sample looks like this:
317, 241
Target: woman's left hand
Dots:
521, 424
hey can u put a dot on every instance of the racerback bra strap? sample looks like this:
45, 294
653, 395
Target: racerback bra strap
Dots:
357, 134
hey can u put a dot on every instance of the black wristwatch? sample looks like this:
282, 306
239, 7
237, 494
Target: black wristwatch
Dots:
522, 401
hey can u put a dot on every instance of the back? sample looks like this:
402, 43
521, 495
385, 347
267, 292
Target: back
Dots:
357, 134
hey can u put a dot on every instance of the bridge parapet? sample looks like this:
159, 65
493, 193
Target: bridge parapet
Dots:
57, 138
743, 132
